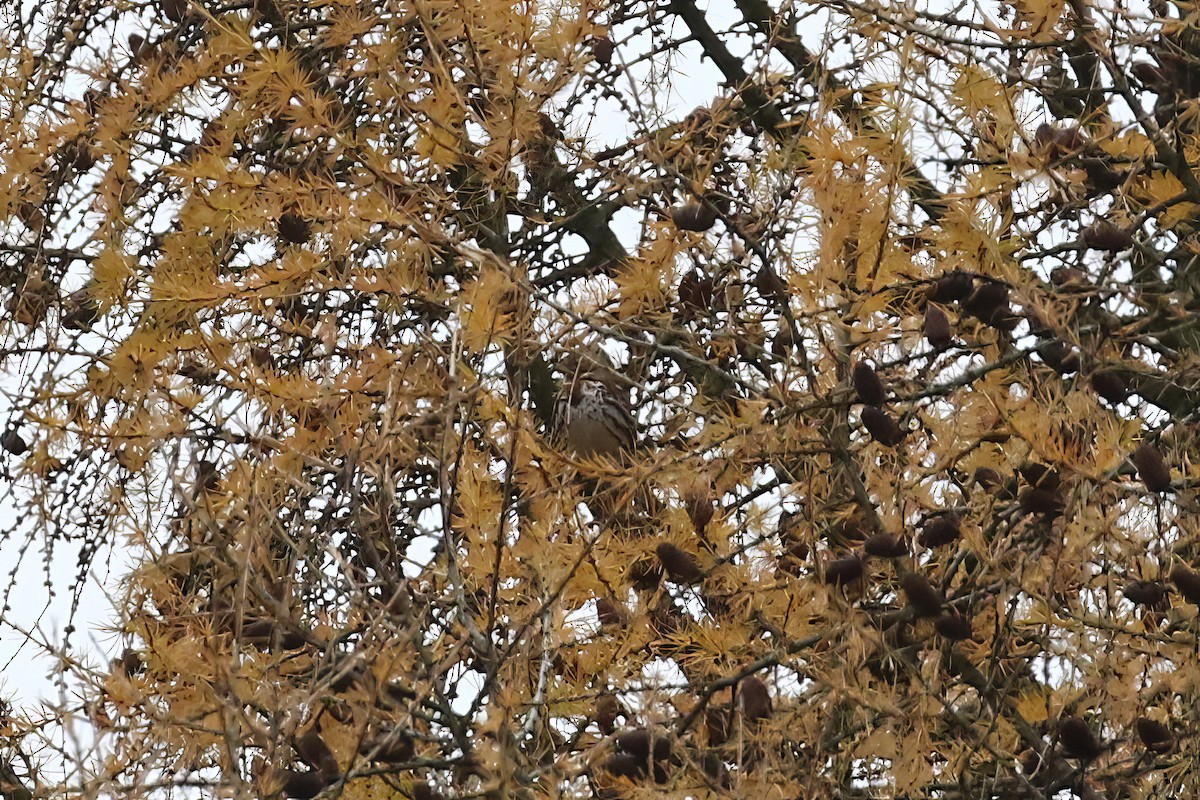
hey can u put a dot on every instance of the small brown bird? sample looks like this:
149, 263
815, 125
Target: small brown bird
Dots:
591, 418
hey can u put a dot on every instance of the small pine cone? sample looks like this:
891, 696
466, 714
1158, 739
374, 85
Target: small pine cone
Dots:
937, 327
1187, 581
1156, 736
645, 574
868, 386
922, 596
611, 612
1111, 386
1146, 593
1152, 468
1107, 237
641, 743
608, 708
1060, 356
602, 50
693, 217
304, 785
941, 530
953, 626
951, 286
13, 443
991, 482
885, 545
754, 698
844, 570
1042, 501
988, 303
316, 753
680, 565
716, 725
1042, 476
882, 427
294, 228
1077, 739
624, 765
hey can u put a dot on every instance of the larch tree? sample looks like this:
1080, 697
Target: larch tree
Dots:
475, 417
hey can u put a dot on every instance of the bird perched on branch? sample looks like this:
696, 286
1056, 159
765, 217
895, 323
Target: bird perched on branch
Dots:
592, 415
590, 419
593, 420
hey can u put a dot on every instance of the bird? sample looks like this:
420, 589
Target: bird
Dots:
591, 418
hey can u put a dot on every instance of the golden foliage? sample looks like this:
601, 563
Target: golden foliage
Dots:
322, 320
